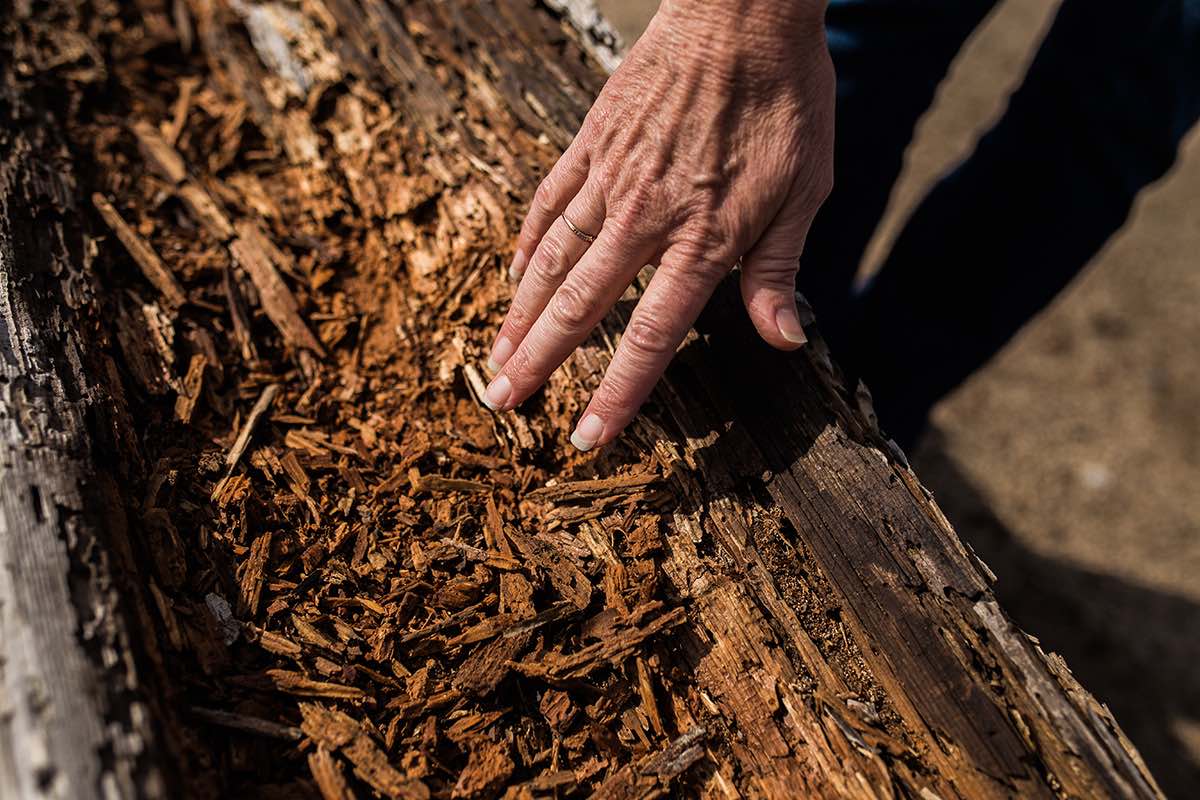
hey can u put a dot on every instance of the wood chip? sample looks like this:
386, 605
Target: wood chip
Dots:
272, 642
193, 382
300, 685
240, 316
160, 277
487, 771
621, 644
328, 775
340, 733
205, 211
437, 483
572, 491
161, 156
253, 576
653, 774
241, 722
260, 409
253, 252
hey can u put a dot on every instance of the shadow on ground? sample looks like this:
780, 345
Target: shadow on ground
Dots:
1136, 649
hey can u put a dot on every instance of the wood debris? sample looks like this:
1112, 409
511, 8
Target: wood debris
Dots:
621, 642
159, 154
241, 722
253, 251
142, 253
261, 406
575, 491
416, 597
329, 775
190, 390
439, 483
653, 774
338, 732
343, 541
295, 683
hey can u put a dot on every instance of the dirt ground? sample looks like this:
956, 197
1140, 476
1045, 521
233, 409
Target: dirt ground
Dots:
1072, 461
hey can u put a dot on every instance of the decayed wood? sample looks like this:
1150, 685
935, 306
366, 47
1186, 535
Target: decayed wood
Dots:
71, 722
149, 262
749, 595
595, 32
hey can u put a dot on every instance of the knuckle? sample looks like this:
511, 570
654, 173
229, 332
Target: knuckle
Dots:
647, 183
551, 259
518, 319
621, 224
647, 336
608, 176
636, 203
570, 309
818, 183
635, 229
776, 267
544, 195
694, 258
616, 391
701, 238
780, 276
703, 201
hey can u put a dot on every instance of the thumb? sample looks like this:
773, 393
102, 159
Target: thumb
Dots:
769, 279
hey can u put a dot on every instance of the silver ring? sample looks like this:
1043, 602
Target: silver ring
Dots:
575, 229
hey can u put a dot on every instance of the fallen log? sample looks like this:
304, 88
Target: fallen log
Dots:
73, 719
318, 532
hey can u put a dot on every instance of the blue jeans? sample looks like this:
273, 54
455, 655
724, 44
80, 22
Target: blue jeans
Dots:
1100, 114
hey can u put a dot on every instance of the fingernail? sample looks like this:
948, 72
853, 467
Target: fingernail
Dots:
588, 432
497, 393
502, 350
788, 322
517, 268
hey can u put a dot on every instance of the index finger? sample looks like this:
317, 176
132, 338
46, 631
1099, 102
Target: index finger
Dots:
672, 302
578, 304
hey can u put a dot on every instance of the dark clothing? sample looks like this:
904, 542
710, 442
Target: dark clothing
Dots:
1100, 114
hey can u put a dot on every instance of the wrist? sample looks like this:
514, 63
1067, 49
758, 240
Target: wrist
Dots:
749, 20
727, 39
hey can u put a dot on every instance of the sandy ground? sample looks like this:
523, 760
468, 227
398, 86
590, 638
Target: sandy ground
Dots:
1072, 461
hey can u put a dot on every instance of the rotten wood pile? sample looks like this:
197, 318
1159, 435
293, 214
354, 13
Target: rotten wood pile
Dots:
349, 579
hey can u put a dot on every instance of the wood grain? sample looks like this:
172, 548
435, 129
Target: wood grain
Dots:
72, 723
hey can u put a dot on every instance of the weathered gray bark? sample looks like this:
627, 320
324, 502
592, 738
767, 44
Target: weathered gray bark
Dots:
595, 32
70, 723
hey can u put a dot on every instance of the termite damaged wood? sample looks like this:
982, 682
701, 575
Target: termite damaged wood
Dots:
259, 536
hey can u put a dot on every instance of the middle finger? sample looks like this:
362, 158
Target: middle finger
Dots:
570, 314
556, 255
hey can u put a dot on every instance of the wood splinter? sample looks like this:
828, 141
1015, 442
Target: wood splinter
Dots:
247, 724
261, 407
142, 253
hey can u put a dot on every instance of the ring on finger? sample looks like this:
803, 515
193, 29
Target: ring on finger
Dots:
580, 232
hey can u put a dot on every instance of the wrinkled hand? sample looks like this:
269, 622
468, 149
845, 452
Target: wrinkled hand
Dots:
712, 142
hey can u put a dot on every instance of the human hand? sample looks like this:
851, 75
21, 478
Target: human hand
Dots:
712, 142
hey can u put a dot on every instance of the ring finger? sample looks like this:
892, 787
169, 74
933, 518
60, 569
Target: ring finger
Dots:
556, 255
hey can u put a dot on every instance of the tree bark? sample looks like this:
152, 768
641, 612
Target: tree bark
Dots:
832, 636
72, 722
